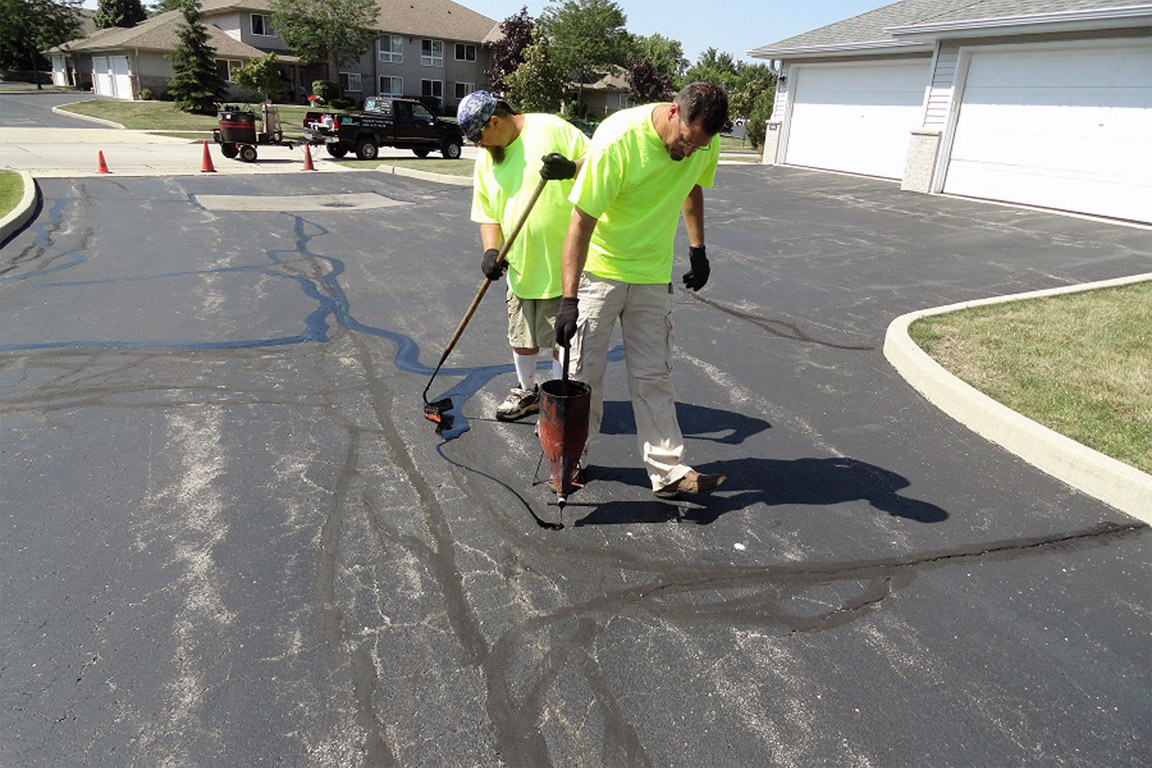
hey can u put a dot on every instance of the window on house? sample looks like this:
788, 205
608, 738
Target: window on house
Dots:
432, 53
226, 68
391, 86
432, 88
262, 24
465, 52
463, 89
390, 48
350, 81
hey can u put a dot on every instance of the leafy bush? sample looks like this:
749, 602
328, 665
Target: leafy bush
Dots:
146, 94
325, 90
756, 124
341, 103
262, 77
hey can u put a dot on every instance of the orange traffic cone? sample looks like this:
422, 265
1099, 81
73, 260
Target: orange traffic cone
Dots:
103, 166
206, 165
308, 159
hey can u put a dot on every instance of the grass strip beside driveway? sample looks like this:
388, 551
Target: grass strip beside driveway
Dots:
1080, 364
11, 191
163, 116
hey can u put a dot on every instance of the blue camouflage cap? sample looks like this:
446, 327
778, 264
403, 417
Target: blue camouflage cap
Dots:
474, 112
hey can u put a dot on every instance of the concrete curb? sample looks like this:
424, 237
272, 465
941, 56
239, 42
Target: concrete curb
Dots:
443, 178
59, 109
19, 216
1113, 482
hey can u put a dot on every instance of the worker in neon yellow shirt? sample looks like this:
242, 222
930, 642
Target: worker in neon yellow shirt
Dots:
504, 178
645, 167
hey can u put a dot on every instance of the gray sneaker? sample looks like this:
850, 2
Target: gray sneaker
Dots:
519, 403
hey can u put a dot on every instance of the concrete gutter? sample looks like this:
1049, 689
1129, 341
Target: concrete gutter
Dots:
1109, 480
62, 110
442, 178
19, 216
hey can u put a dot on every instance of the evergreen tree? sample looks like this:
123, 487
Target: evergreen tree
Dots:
119, 13
195, 84
537, 85
508, 52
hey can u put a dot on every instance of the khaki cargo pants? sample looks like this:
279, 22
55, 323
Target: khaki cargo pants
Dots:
645, 315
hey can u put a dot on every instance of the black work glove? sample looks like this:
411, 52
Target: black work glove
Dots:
697, 277
566, 320
557, 167
491, 269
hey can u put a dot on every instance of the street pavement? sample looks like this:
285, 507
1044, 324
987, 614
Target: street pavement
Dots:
232, 539
49, 144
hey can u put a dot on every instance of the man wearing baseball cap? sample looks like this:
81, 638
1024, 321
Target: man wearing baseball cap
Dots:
517, 148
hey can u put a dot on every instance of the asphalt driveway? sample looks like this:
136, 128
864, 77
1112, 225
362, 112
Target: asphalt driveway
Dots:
231, 538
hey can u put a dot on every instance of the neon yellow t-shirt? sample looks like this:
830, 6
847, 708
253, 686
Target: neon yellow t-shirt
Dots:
501, 191
636, 191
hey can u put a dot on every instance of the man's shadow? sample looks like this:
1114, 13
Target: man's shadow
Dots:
814, 481
697, 421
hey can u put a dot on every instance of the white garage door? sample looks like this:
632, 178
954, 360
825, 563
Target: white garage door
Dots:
855, 118
121, 77
101, 77
1067, 128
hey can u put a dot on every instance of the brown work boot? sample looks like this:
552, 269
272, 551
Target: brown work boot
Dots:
692, 483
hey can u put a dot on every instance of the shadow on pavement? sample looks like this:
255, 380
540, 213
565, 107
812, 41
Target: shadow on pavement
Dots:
771, 482
696, 421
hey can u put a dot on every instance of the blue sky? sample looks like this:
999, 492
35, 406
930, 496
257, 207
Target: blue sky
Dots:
734, 26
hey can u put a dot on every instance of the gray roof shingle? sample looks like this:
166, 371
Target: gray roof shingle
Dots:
870, 27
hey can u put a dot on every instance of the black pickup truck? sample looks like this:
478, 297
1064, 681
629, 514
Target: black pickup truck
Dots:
384, 122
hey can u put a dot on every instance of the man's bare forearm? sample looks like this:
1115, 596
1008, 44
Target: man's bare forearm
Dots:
693, 210
576, 249
491, 236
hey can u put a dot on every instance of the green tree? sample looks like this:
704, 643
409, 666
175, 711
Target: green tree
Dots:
195, 85
163, 6
588, 38
119, 13
30, 26
666, 55
712, 66
537, 85
508, 52
335, 31
262, 77
751, 83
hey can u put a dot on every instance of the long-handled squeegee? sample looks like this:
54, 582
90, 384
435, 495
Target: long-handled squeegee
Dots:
436, 410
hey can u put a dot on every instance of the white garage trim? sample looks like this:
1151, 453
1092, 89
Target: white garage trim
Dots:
854, 117
1061, 125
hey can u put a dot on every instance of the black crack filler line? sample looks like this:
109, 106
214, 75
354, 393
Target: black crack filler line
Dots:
779, 328
763, 599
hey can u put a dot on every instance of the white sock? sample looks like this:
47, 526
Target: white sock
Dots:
557, 369
525, 370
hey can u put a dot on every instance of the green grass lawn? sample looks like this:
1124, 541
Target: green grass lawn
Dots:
1080, 364
11, 191
163, 117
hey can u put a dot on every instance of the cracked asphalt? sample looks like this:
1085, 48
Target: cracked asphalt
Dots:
231, 538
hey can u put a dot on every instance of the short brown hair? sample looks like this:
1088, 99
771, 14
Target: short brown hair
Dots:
705, 103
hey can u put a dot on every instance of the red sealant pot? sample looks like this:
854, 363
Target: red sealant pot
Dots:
564, 428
